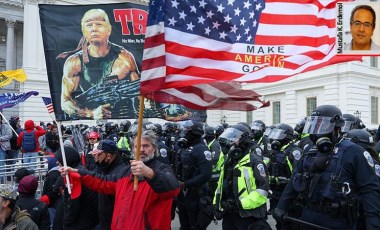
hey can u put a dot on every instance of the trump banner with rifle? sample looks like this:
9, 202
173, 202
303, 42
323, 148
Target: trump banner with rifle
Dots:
93, 56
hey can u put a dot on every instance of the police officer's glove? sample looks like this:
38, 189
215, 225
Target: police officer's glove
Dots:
279, 215
231, 205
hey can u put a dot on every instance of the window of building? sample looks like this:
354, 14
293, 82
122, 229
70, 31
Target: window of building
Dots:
311, 104
374, 110
374, 62
276, 112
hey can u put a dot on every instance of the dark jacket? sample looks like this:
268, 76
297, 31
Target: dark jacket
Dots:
147, 208
37, 209
80, 213
106, 202
52, 141
19, 220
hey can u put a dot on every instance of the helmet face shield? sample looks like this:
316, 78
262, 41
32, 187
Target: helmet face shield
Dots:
319, 125
256, 126
230, 136
277, 134
348, 125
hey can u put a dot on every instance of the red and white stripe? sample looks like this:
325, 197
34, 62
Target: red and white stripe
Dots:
305, 29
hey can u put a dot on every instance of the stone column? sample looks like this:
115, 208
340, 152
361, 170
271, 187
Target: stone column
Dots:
11, 23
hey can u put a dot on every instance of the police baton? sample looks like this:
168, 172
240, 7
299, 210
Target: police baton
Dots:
304, 223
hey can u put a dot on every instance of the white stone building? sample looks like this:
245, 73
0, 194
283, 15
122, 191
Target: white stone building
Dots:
354, 87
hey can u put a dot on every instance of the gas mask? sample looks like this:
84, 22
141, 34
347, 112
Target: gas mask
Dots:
257, 134
276, 145
183, 143
235, 152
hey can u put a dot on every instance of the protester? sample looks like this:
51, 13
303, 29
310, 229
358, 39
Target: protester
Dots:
50, 192
108, 162
5, 145
93, 139
30, 146
21, 173
11, 217
78, 210
147, 208
37, 209
52, 139
15, 149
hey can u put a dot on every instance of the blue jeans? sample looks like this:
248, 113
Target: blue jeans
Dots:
30, 158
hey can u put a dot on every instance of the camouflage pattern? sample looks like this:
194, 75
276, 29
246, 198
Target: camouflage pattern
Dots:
8, 192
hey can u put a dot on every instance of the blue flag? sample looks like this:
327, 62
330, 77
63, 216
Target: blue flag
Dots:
8, 100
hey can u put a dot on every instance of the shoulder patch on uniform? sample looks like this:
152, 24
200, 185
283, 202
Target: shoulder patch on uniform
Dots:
297, 154
261, 169
163, 152
377, 170
367, 156
259, 152
208, 155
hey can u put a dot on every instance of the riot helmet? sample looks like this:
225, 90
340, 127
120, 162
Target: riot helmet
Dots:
157, 128
360, 137
349, 122
191, 132
235, 140
209, 134
257, 129
323, 126
109, 127
281, 135
125, 125
219, 129
146, 125
300, 125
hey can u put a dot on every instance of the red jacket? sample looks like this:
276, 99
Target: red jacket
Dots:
29, 127
147, 208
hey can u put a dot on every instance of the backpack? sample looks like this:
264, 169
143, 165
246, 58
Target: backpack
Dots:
28, 143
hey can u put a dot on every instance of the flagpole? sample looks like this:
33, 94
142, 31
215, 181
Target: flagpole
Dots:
9, 124
138, 138
63, 154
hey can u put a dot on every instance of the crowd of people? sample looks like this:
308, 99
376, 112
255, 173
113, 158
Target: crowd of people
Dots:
323, 173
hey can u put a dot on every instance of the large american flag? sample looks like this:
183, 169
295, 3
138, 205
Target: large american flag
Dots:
192, 42
49, 104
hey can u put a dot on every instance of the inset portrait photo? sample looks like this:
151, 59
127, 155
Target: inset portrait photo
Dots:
357, 29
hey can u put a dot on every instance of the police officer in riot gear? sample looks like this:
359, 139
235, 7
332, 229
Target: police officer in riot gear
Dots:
161, 145
111, 131
241, 195
219, 129
365, 140
332, 178
258, 129
351, 122
193, 170
304, 141
284, 156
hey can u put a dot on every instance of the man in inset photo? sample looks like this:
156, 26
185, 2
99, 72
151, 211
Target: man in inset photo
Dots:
362, 27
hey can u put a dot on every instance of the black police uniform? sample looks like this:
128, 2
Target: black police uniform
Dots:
327, 188
194, 169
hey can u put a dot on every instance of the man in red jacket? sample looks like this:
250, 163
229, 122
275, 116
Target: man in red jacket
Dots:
30, 154
150, 206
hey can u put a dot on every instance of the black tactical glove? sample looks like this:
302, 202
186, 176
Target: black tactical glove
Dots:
279, 215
